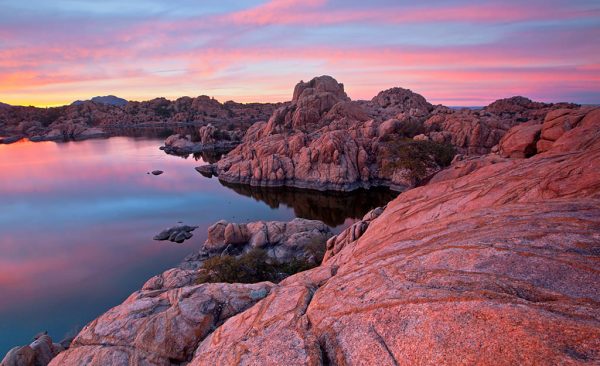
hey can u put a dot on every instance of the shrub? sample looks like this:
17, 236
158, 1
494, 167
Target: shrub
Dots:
415, 156
410, 128
251, 267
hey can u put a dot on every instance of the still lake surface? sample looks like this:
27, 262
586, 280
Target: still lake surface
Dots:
77, 221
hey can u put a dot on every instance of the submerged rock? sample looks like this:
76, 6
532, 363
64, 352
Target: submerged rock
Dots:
177, 234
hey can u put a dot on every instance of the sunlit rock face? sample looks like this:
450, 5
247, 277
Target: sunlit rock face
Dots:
496, 266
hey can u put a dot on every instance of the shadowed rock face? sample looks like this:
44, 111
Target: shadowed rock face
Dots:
333, 208
159, 327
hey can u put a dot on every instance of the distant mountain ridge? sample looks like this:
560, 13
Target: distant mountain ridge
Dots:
108, 99
4, 105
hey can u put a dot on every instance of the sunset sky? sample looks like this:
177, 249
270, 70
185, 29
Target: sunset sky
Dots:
454, 52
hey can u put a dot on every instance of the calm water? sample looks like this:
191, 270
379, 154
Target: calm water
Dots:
77, 221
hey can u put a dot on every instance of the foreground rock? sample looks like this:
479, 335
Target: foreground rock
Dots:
496, 267
159, 327
39, 353
177, 234
163, 323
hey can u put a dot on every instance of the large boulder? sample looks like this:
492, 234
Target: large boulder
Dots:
520, 141
558, 122
283, 241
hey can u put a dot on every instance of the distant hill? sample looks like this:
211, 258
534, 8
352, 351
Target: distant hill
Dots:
4, 105
108, 99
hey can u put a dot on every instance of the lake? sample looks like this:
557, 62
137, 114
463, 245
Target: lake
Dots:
77, 221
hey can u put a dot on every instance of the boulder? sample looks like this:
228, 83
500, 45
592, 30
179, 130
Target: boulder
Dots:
520, 141
557, 123
283, 241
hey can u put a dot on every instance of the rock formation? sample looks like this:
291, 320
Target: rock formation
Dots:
210, 138
282, 241
322, 140
493, 264
159, 327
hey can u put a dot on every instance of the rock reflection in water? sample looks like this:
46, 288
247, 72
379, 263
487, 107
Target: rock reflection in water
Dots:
333, 208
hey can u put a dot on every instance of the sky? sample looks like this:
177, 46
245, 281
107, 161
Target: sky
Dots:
454, 52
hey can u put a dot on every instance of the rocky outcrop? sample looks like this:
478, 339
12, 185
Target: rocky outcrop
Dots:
324, 141
282, 241
477, 131
351, 234
177, 234
39, 353
210, 138
560, 121
180, 145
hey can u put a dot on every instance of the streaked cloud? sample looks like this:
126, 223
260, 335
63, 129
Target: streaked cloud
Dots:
469, 51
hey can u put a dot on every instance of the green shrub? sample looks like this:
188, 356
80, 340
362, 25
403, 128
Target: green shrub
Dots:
254, 266
416, 156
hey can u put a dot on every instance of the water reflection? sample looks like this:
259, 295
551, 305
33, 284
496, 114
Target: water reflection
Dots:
333, 208
77, 221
